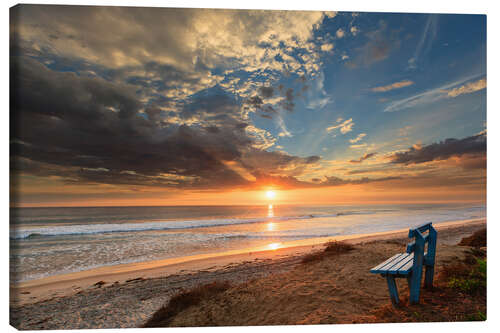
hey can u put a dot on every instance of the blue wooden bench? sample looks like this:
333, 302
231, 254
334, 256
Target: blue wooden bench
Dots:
410, 264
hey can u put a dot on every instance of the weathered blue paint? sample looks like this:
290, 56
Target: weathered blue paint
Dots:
411, 264
418, 262
393, 289
430, 258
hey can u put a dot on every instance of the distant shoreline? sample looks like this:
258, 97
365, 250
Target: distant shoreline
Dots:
476, 202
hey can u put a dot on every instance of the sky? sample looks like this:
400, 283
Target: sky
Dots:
152, 106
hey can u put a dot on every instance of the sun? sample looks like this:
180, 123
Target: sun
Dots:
270, 194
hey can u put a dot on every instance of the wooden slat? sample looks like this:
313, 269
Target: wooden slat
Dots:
376, 268
396, 269
406, 269
395, 263
386, 262
389, 264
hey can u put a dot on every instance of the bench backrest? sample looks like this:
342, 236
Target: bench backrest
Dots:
423, 234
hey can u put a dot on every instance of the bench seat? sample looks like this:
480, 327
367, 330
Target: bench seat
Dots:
399, 264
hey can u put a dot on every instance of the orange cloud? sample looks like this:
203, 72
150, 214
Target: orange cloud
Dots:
467, 88
345, 127
395, 85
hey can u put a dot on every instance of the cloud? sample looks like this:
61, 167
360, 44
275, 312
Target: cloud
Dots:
441, 150
287, 182
384, 169
358, 138
288, 103
380, 43
87, 130
426, 40
467, 88
210, 36
428, 96
318, 97
174, 53
276, 163
284, 132
395, 85
364, 157
336, 181
266, 92
345, 126
267, 103
327, 47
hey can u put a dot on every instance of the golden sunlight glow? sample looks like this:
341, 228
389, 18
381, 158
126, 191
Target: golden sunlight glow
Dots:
274, 246
270, 226
270, 194
270, 211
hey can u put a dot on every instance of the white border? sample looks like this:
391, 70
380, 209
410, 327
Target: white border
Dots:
420, 6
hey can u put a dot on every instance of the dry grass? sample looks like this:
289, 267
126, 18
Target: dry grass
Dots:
331, 249
184, 300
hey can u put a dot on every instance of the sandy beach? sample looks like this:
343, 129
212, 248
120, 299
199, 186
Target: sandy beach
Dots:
127, 295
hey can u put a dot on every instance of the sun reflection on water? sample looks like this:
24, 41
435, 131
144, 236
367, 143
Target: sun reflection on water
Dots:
274, 246
270, 211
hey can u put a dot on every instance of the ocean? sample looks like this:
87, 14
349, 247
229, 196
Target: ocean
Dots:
52, 241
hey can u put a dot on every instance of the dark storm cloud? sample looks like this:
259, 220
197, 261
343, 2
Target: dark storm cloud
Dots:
288, 182
255, 101
266, 92
213, 106
89, 130
276, 163
364, 157
336, 181
288, 103
161, 77
443, 150
263, 115
258, 103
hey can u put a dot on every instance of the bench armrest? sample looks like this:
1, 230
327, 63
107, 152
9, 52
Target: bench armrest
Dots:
422, 228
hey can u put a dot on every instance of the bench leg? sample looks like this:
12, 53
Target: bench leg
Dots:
429, 277
415, 281
393, 289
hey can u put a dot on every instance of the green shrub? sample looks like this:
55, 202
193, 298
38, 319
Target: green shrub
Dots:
470, 282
